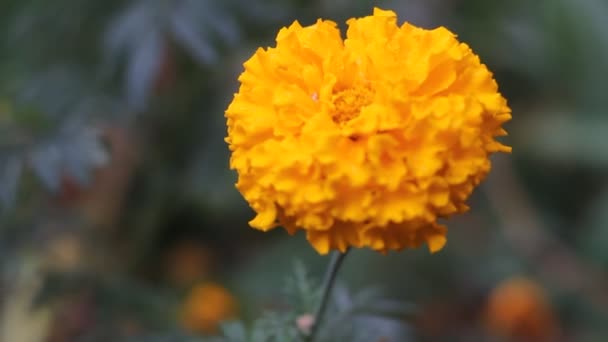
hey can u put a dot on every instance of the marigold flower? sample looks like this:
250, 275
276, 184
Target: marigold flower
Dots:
518, 308
366, 141
206, 307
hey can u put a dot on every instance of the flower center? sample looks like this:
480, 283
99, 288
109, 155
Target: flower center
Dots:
348, 103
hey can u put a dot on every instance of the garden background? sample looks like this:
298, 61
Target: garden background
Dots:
120, 221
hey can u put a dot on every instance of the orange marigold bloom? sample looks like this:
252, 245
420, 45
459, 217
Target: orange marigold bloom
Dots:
518, 308
366, 141
206, 307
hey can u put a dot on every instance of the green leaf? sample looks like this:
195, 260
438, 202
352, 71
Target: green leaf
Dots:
302, 292
277, 327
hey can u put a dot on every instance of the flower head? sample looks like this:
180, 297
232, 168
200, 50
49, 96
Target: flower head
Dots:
519, 308
206, 306
364, 141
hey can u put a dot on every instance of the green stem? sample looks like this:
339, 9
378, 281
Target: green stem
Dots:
328, 283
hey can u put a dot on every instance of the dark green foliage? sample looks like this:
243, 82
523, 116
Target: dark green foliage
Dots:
365, 316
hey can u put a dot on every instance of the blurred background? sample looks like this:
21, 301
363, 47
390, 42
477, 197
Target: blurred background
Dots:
119, 219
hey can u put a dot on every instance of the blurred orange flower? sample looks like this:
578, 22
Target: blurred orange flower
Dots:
206, 306
519, 309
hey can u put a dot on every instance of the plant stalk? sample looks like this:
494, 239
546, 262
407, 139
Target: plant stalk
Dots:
328, 282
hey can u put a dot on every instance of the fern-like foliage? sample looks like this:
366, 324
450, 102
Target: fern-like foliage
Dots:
364, 316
